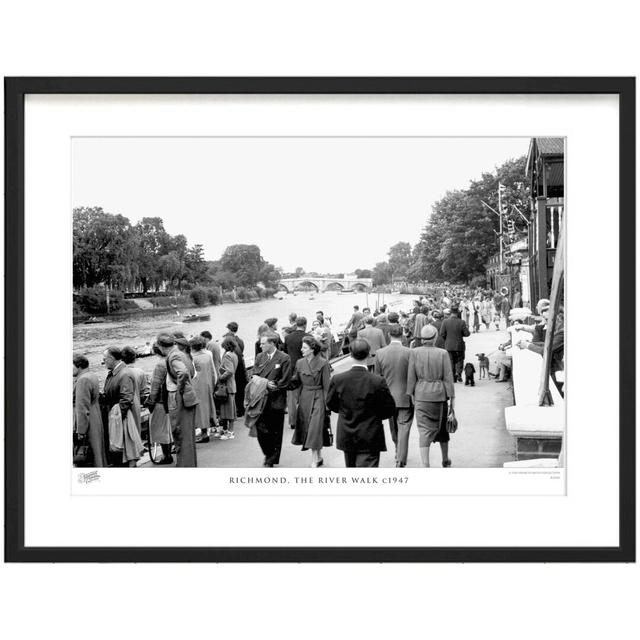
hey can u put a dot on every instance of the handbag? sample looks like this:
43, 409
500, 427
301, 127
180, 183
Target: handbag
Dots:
81, 454
327, 433
220, 392
452, 422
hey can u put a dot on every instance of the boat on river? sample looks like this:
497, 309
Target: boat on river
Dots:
94, 320
194, 317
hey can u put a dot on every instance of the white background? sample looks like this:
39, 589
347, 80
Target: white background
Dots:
367, 38
56, 518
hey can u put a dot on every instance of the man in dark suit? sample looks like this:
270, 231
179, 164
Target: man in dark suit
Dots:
453, 331
292, 346
362, 400
392, 363
275, 366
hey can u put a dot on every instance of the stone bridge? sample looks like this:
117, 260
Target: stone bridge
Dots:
326, 284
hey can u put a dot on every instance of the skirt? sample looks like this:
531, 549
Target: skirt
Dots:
431, 418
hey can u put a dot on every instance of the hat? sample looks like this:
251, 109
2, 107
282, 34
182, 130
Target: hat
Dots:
428, 332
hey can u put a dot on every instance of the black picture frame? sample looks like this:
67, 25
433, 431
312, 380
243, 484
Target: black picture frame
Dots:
15, 91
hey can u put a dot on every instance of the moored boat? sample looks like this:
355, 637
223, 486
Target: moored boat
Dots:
194, 317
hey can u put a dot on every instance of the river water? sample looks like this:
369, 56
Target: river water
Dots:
92, 339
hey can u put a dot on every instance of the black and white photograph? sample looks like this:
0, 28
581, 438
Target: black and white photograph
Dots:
318, 302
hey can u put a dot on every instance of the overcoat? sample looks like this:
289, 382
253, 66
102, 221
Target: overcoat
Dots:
159, 423
87, 419
228, 377
182, 406
204, 384
313, 376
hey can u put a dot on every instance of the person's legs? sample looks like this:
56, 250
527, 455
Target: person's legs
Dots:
424, 456
367, 459
277, 428
316, 457
459, 363
264, 438
349, 458
393, 428
452, 358
405, 418
444, 446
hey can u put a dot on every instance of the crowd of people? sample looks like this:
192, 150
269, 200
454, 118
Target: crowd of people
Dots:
405, 364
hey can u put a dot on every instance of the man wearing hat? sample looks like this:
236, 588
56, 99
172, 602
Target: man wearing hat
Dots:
430, 385
453, 331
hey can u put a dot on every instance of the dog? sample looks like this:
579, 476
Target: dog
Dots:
469, 370
483, 363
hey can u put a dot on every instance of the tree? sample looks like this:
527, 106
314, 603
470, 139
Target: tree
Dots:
104, 249
400, 259
381, 273
461, 233
363, 273
299, 272
152, 240
248, 266
196, 265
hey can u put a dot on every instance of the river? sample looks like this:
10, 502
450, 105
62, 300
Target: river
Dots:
92, 339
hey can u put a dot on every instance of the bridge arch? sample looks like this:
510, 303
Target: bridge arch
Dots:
359, 286
283, 287
334, 286
306, 284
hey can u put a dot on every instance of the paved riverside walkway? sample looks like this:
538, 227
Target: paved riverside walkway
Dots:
481, 441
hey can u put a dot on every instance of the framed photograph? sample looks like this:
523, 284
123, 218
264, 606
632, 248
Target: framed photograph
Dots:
320, 319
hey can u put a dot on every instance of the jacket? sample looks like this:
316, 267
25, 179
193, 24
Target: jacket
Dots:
392, 363
376, 341
278, 370
429, 376
181, 370
452, 331
362, 400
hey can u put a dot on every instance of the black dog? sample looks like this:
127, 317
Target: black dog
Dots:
469, 370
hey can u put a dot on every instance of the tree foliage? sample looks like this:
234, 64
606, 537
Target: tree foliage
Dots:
461, 233
109, 251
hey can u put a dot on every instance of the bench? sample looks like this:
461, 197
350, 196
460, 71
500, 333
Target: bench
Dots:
538, 430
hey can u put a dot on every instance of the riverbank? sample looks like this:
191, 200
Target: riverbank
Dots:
151, 312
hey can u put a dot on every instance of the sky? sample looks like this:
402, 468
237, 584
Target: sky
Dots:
325, 204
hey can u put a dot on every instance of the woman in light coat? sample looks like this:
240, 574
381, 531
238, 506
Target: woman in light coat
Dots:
204, 384
159, 422
228, 367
